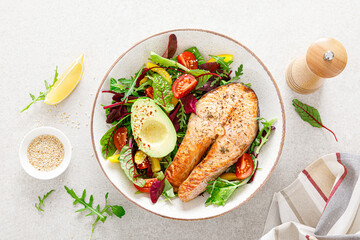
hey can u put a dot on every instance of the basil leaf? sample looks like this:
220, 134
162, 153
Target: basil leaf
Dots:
128, 165
197, 54
162, 92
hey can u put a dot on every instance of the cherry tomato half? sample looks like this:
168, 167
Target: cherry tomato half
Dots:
244, 166
149, 92
183, 85
145, 164
147, 186
120, 138
188, 60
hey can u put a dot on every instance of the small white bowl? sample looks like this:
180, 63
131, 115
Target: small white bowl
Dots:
43, 175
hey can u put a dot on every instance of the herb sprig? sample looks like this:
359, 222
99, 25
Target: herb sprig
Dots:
41, 201
42, 95
108, 209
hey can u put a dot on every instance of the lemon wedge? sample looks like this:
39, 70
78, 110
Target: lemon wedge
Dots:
66, 83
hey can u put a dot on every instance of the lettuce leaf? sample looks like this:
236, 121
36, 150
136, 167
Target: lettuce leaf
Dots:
128, 165
162, 92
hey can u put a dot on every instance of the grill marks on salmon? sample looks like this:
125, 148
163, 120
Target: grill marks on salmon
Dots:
226, 121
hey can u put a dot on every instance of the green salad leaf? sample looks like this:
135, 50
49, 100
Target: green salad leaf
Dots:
168, 192
120, 85
42, 95
310, 115
223, 64
263, 136
41, 201
100, 214
197, 54
130, 89
166, 62
220, 191
128, 165
162, 92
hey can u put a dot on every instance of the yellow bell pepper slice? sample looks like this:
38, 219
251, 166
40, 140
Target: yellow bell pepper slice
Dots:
143, 80
228, 176
155, 164
228, 57
114, 158
160, 71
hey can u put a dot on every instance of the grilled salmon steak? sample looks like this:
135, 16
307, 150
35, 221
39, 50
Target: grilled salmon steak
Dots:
226, 121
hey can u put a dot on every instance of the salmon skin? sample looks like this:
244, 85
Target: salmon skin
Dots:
226, 121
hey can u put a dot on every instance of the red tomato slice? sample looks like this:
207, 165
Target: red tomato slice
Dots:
183, 85
147, 186
120, 138
149, 92
145, 164
188, 60
244, 166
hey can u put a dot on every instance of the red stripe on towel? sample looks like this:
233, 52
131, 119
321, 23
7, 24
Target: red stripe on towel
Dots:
315, 185
340, 180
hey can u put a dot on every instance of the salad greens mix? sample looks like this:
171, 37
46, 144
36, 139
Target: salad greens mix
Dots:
174, 84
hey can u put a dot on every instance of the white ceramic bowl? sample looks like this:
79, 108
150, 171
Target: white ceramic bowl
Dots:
255, 72
25, 161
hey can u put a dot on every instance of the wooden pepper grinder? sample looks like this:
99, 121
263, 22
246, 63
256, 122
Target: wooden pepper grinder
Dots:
325, 58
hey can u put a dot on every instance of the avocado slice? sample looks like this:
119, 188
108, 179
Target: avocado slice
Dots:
153, 131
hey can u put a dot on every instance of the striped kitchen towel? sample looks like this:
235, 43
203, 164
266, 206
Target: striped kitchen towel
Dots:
322, 203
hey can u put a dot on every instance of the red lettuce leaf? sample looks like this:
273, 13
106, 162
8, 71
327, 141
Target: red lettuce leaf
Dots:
189, 102
116, 113
171, 48
210, 66
156, 190
174, 119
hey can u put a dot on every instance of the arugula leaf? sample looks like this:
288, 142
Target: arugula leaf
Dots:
107, 140
162, 92
41, 201
197, 54
129, 90
238, 73
223, 64
127, 164
166, 62
42, 95
310, 115
108, 209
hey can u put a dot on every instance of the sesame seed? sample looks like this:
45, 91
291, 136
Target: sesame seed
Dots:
45, 152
